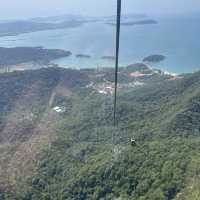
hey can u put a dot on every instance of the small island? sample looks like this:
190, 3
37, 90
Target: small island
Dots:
108, 57
154, 58
83, 56
133, 23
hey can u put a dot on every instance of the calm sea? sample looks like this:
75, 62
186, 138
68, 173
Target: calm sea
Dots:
176, 38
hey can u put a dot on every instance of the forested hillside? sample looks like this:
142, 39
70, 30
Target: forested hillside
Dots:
58, 142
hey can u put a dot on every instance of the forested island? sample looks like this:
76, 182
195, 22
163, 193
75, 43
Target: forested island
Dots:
132, 23
154, 58
18, 55
83, 56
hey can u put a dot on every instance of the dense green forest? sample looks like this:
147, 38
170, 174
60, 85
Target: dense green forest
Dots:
79, 155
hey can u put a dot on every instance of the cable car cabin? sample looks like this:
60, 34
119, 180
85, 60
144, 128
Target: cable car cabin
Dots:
133, 142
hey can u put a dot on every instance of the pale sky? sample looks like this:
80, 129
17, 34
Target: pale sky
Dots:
34, 8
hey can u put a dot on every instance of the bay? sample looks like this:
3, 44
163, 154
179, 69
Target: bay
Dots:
175, 38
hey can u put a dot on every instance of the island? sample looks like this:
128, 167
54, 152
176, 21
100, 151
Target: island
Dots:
14, 28
83, 56
133, 23
21, 26
154, 58
108, 57
19, 55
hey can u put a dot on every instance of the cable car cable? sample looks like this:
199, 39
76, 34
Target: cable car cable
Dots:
117, 58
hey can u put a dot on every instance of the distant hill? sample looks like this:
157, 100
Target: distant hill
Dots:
133, 23
16, 27
19, 27
76, 153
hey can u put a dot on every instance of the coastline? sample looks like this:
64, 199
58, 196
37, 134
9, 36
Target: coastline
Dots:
35, 66
77, 41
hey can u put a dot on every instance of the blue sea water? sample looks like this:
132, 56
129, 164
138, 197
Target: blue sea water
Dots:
175, 37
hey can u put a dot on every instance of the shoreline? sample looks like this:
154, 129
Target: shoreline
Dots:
36, 66
174, 62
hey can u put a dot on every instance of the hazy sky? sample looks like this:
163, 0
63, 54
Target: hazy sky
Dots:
33, 8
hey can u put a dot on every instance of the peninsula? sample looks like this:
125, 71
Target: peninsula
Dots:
18, 55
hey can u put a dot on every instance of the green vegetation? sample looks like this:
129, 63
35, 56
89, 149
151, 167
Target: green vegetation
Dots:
85, 157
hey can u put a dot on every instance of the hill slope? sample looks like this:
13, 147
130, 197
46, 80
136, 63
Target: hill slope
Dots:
76, 153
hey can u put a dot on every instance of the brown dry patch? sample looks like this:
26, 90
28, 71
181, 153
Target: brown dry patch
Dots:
21, 163
25, 136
